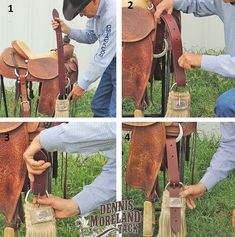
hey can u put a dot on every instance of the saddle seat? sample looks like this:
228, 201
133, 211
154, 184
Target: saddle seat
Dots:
23, 50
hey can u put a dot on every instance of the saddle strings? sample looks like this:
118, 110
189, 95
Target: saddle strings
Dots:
193, 155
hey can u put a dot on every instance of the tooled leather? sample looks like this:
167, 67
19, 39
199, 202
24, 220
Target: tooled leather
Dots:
12, 165
12, 169
135, 30
136, 68
145, 157
172, 128
137, 57
47, 101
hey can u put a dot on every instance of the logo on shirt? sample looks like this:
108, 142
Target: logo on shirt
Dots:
108, 30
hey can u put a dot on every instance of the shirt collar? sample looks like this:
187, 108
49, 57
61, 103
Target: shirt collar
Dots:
100, 8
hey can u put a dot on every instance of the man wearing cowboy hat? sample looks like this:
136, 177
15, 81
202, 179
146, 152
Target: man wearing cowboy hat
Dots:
100, 26
223, 65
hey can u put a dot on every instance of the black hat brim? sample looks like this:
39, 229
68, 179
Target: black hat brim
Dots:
70, 11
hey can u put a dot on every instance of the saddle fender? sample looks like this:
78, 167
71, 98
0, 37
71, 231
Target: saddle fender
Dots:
145, 157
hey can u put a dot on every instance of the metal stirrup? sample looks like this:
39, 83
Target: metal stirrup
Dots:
163, 53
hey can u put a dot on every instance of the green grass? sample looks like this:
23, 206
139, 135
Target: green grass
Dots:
204, 87
212, 217
79, 108
81, 171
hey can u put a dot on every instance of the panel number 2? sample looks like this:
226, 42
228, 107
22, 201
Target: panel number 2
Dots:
130, 5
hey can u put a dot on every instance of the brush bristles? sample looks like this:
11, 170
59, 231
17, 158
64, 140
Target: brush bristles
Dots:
164, 221
62, 109
47, 229
178, 104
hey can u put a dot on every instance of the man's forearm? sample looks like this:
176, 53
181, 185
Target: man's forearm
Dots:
223, 161
223, 65
102, 190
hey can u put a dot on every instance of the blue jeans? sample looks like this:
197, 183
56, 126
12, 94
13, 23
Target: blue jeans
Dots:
104, 101
225, 105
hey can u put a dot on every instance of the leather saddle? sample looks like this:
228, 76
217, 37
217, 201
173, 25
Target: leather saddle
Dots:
15, 137
142, 39
21, 64
147, 146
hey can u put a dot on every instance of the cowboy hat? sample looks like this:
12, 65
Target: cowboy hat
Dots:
72, 8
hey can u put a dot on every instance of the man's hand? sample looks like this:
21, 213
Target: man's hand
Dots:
33, 166
63, 208
64, 28
189, 60
193, 192
165, 5
76, 93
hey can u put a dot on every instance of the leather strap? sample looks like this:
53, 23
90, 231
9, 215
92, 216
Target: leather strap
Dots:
60, 50
40, 181
17, 96
24, 102
177, 48
174, 179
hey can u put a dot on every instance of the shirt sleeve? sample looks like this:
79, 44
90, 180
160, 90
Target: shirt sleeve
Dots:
198, 7
102, 190
103, 56
82, 137
223, 65
86, 36
87, 138
223, 161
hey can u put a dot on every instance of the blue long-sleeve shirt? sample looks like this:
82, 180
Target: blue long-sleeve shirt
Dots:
87, 138
223, 65
223, 161
101, 27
